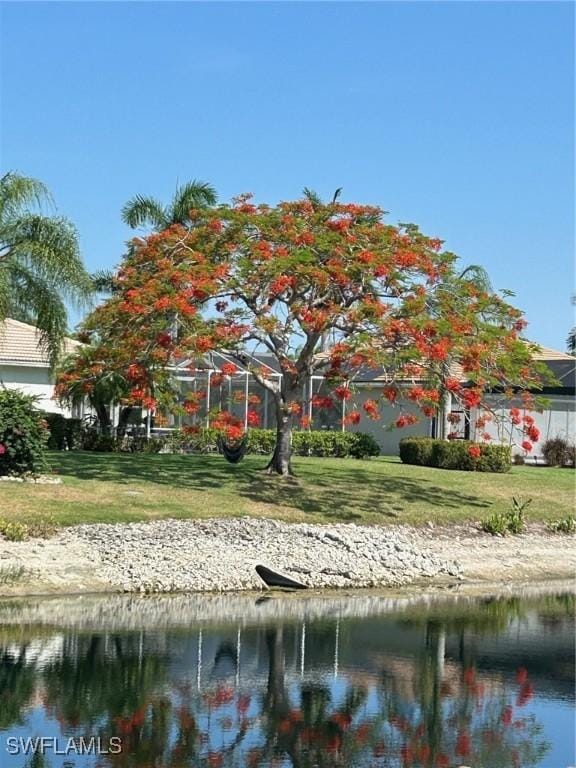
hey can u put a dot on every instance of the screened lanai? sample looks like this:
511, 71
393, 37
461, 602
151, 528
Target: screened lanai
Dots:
241, 395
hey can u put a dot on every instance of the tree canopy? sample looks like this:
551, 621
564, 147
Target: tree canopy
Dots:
328, 288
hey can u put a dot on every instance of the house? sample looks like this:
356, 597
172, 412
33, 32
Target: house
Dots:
240, 393
24, 363
557, 419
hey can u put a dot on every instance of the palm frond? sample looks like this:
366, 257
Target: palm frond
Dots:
476, 274
337, 194
571, 342
141, 210
18, 192
193, 194
103, 281
312, 196
34, 298
49, 247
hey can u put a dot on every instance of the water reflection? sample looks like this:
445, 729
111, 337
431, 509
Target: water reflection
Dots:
483, 683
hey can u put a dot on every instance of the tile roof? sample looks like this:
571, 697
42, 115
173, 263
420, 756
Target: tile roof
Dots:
20, 344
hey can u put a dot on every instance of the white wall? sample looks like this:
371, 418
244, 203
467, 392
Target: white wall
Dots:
558, 420
388, 440
32, 381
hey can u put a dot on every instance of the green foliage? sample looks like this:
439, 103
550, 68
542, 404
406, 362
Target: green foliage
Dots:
564, 525
510, 521
557, 452
14, 531
23, 434
65, 434
41, 264
43, 528
92, 440
454, 454
141, 209
416, 450
262, 441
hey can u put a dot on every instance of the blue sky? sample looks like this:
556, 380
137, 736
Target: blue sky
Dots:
457, 116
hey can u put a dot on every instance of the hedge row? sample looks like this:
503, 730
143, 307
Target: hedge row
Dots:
316, 443
455, 454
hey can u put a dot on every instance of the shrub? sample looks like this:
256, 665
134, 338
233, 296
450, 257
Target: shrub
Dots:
449, 454
455, 454
564, 525
14, 531
23, 434
363, 446
261, 441
94, 441
416, 450
44, 528
512, 521
557, 452
65, 434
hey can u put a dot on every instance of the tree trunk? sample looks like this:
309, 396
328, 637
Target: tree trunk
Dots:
103, 418
280, 461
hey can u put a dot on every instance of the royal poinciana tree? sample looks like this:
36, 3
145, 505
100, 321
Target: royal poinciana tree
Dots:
328, 288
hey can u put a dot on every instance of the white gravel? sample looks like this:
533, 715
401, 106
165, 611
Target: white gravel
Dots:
220, 554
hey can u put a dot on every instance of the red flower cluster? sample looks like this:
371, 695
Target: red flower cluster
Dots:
352, 418
406, 419
371, 408
343, 392
322, 402
475, 451
390, 393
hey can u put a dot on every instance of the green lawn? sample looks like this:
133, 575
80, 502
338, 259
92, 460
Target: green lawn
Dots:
124, 487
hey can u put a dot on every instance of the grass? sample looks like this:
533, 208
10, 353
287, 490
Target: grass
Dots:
99, 487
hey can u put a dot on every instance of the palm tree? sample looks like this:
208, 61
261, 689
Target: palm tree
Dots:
84, 376
142, 210
40, 264
571, 341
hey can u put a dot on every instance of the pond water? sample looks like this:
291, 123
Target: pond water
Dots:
355, 681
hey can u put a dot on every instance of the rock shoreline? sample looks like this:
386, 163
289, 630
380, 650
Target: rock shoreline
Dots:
218, 555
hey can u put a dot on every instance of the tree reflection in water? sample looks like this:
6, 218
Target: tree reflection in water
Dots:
370, 705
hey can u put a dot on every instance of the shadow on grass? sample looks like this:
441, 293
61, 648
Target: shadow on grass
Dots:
329, 488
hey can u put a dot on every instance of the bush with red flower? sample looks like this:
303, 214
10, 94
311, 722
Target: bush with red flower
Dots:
23, 434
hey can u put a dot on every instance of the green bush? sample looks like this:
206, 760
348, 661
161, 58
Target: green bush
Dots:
416, 450
65, 434
23, 434
557, 452
94, 441
564, 525
261, 441
454, 454
13, 531
512, 521
494, 458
